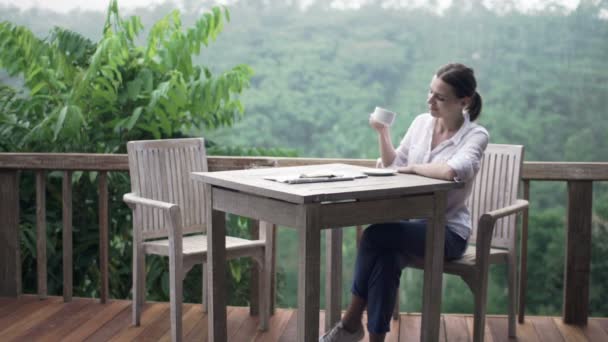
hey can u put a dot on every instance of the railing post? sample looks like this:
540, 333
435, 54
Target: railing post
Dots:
103, 235
41, 268
523, 258
68, 265
254, 303
273, 271
10, 257
578, 252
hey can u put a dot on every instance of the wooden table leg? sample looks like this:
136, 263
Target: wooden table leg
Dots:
216, 261
309, 256
433, 271
333, 277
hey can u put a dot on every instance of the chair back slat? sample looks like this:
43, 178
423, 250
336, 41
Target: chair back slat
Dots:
496, 186
160, 170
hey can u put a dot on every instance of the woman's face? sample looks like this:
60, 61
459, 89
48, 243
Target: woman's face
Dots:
442, 101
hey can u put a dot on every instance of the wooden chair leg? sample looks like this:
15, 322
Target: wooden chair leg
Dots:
175, 296
512, 289
204, 286
139, 286
481, 295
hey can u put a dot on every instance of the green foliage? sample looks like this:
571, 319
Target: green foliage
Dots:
92, 97
76, 95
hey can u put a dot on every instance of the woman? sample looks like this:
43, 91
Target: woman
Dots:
445, 144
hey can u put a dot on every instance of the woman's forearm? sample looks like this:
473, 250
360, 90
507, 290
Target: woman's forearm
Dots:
433, 170
387, 151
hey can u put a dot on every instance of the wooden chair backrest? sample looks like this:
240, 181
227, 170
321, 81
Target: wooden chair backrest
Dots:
161, 170
496, 186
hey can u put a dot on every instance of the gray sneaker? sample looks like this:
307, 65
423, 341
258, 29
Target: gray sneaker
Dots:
339, 334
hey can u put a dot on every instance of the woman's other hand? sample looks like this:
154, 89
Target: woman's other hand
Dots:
406, 169
377, 125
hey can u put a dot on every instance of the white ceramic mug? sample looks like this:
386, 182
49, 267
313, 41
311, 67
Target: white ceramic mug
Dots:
384, 116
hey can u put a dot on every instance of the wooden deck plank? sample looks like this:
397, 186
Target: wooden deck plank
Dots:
603, 322
546, 329
276, 326
290, 332
321, 323
20, 311
104, 313
393, 334
148, 318
594, 331
248, 329
191, 314
160, 325
487, 334
571, 333
443, 334
115, 325
409, 328
87, 319
237, 317
200, 329
28, 320
10, 305
526, 332
498, 327
456, 328
59, 319
91, 311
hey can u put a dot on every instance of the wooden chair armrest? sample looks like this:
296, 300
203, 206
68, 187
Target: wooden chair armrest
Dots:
171, 211
132, 199
485, 227
516, 207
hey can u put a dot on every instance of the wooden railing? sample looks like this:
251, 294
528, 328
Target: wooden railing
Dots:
12, 164
579, 177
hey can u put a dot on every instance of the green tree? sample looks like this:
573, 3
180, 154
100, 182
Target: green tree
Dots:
76, 95
85, 96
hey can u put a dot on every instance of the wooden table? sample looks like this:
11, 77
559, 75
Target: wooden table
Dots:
309, 208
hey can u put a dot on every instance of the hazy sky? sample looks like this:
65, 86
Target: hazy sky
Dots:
101, 5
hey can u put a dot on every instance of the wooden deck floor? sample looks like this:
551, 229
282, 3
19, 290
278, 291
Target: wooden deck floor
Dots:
31, 319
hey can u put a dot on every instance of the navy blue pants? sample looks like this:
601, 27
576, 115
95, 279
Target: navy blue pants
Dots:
384, 249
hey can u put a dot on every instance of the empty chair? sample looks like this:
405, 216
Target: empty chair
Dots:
168, 220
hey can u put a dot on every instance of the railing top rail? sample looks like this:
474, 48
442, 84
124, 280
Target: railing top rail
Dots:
64, 161
565, 171
119, 162
533, 170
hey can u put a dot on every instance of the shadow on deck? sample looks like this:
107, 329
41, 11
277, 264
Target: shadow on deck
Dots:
30, 319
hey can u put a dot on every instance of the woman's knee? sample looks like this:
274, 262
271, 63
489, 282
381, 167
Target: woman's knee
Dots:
371, 235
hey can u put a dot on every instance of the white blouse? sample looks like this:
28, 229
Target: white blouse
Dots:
462, 152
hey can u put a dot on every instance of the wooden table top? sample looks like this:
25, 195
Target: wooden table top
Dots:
253, 181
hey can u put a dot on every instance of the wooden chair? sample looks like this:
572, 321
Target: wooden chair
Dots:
168, 219
494, 205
